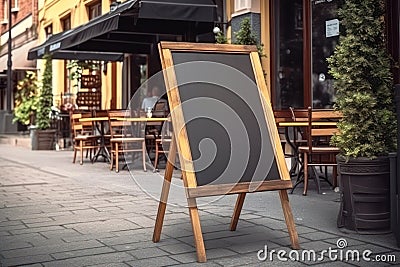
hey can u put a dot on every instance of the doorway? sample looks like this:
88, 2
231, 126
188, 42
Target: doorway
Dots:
304, 35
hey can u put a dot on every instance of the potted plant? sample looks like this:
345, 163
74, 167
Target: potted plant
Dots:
361, 66
26, 101
43, 136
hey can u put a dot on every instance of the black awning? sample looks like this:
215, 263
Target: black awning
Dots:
135, 26
188, 10
52, 46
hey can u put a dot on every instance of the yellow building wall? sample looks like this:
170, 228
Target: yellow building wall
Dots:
51, 12
264, 7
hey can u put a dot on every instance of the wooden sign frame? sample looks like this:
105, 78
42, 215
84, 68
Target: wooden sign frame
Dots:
180, 144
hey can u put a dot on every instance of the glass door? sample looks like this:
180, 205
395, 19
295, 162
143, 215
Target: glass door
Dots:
288, 58
304, 35
325, 36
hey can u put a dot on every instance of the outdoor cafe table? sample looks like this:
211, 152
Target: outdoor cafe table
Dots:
148, 121
103, 151
292, 142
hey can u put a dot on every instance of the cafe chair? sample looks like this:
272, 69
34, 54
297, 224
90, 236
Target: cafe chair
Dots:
84, 137
321, 126
124, 139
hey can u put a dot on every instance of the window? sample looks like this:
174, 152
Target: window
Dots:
5, 12
49, 30
66, 23
242, 4
94, 10
15, 7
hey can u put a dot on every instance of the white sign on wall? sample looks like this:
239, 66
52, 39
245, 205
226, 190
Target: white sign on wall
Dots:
332, 28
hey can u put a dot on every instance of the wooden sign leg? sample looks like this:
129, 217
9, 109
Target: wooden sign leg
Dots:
162, 205
287, 212
236, 212
197, 233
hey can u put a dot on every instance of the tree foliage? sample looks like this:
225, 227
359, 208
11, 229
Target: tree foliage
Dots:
26, 99
45, 102
245, 36
361, 67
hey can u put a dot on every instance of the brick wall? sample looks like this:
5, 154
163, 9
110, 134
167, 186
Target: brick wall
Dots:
26, 8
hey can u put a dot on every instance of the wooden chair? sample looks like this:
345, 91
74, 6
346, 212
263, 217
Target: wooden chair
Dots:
122, 140
317, 152
163, 142
83, 136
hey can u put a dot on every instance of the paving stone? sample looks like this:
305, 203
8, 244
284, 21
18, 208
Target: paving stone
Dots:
36, 229
119, 264
23, 260
219, 253
178, 248
157, 261
196, 264
116, 257
59, 234
10, 223
144, 253
37, 220
317, 235
238, 260
81, 252
14, 245
315, 245
42, 250
118, 240
189, 257
102, 226
145, 244
142, 221
82, 237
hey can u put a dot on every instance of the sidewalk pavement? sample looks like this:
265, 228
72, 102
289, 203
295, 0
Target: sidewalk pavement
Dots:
55, 213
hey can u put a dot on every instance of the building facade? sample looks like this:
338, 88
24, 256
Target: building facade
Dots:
24, 24
298, 36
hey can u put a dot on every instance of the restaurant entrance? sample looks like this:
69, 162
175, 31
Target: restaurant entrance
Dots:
305, 33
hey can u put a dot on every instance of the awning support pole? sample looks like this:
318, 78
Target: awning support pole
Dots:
9, 61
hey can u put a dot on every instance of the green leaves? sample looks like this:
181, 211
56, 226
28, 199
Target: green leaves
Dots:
363, 81
245, 37
26, 99
45, 102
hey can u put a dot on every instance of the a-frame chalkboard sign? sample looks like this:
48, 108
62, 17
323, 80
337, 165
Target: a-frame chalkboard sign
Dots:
224, 130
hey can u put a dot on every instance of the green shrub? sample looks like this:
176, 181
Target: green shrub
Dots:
361, 67
45, 102
26, 99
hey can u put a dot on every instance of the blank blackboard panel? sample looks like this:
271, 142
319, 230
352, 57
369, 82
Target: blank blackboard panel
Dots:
226, 127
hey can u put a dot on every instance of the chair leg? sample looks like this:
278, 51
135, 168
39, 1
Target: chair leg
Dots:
111, 160
74, 159
81, 149
305, 174
156, 158
144, 155
116, 157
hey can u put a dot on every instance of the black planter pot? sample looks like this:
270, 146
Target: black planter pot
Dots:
43, 139
365, 194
